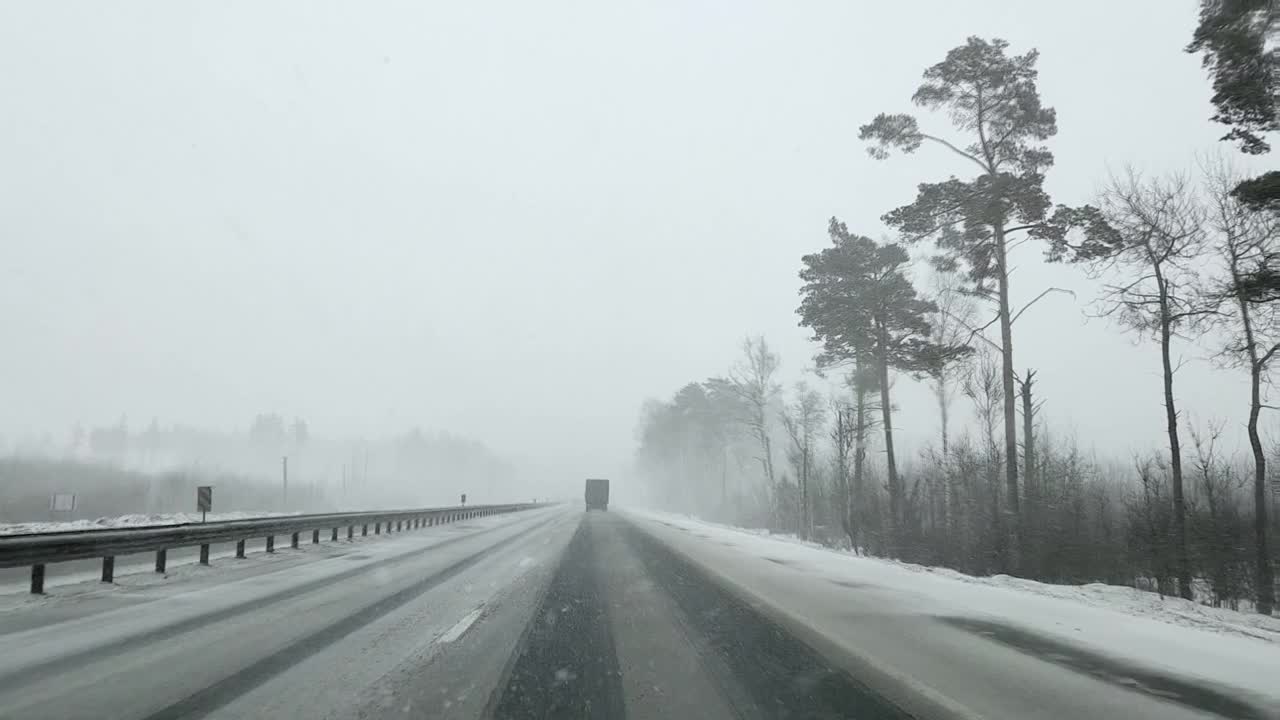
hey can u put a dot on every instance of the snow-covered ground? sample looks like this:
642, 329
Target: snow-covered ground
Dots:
1225, 648
136, 520
1113, 597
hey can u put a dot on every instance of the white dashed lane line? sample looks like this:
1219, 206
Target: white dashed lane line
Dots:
455, 632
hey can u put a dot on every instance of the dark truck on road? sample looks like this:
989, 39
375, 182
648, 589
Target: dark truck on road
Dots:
597, 494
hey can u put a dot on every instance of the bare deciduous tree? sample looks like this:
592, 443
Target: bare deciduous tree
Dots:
1248, 243
803, 420
753, 381
1155, 240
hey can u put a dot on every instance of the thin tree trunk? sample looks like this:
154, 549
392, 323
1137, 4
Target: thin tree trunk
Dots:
1265, 578
1010, 400
724, 480
1029, 479
1182, 562
886, 415
1263, 574
842, 469
767, 461
804, 491
944, 411
859, 453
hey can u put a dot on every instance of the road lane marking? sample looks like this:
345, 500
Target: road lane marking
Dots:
455, 632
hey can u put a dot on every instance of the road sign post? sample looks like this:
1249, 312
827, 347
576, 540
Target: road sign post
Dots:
204, 501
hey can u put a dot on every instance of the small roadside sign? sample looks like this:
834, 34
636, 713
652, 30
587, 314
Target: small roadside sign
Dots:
464, 498
204, 500
62, 502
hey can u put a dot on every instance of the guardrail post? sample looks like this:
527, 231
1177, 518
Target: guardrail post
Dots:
364, 529
398, 525
315, 536
204, 554
294, 540
335, 535
377, 528
37, 579
108, 569
160, 557
351, 532
240, 549
271, 543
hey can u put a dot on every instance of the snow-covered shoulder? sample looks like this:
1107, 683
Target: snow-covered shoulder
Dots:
1163, 633
134, 520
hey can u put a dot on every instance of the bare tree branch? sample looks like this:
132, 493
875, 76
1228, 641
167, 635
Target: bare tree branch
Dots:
956, 150
974, 332
1037, 299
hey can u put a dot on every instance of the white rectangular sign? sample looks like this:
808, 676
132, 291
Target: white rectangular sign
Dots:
62, 502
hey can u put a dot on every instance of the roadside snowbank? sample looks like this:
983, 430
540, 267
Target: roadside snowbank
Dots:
137, 520
1120, 598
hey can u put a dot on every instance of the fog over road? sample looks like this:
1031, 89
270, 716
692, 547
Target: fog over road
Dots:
548, 613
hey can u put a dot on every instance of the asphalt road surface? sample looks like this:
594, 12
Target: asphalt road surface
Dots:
550, 613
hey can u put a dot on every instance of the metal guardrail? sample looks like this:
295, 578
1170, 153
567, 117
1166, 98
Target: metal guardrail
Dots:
40, 549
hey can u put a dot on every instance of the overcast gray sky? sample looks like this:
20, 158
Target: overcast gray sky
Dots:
514, 220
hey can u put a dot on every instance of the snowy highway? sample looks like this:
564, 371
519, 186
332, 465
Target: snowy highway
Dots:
557, 613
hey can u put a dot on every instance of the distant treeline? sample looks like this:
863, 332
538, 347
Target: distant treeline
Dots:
116, 469
27, 484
